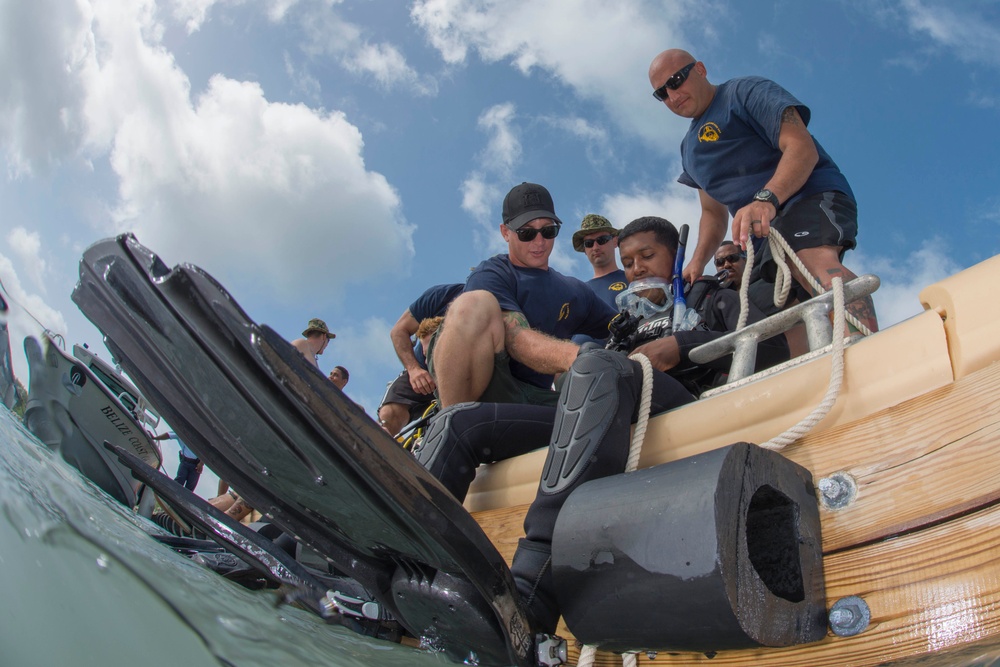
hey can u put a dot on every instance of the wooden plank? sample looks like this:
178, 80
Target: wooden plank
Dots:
934, 597
916, 463
880, 373
938, 457
933, 590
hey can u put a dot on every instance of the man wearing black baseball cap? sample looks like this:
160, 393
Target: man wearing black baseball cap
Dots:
507, 334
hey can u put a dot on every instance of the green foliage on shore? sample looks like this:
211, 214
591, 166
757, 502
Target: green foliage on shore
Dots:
22, 399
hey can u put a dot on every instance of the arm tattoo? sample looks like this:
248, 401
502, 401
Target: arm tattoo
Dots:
790, 116
514, 323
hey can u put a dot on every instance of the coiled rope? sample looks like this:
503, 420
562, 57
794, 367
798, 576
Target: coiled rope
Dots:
783, 254
836, 377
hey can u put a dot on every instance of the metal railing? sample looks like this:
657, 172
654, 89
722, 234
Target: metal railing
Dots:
814, 314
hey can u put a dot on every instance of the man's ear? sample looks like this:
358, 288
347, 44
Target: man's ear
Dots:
504, 231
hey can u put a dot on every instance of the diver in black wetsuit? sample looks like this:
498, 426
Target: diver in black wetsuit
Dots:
588, 432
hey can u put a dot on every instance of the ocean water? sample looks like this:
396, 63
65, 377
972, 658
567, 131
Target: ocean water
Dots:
83, 584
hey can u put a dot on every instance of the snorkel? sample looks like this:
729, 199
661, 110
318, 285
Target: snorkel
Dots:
680, 305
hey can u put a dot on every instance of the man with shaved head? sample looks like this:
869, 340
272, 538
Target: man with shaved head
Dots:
749, 154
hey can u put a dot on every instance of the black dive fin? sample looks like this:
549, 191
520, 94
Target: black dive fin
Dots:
310, 459
232, 535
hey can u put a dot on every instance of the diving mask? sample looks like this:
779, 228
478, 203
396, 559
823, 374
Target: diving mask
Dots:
646, 298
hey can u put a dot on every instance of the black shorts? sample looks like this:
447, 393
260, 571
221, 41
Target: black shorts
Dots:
400, 391
822, 219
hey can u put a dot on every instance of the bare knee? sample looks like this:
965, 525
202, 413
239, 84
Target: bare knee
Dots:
473, 310
473, 316
392, 417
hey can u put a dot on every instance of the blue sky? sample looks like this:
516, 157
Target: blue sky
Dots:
332, 159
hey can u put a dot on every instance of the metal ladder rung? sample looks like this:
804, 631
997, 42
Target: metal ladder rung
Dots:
814, 314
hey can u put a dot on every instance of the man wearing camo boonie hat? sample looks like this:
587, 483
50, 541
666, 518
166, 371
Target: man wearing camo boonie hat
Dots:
314, 341
598, 239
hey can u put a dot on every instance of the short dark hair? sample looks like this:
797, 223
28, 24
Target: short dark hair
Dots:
663, 230
727, 242
343, 371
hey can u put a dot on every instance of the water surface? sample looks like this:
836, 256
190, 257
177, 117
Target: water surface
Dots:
83, 584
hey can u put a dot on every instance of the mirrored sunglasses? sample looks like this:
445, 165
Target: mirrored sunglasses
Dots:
674, 81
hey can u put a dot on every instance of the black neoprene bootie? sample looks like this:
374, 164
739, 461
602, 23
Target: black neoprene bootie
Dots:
532, 570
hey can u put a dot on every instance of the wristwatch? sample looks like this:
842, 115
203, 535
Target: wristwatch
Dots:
768, 196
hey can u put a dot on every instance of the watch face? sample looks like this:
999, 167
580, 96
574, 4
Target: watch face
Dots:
763, 195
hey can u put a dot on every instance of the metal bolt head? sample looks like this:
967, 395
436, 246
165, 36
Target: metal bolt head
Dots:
837, 491
849, 616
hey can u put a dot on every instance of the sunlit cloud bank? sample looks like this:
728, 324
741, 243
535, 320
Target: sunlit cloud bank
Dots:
230, 180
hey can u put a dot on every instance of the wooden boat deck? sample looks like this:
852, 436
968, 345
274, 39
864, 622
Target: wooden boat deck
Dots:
916, 426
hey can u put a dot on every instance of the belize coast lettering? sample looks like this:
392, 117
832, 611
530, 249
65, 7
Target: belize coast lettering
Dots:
122, 427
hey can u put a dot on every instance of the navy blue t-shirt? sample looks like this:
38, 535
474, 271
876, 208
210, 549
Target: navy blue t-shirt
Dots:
731, 151
558, 305
609, 287
432, 303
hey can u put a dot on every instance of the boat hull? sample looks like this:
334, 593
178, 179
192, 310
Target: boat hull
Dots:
70, 409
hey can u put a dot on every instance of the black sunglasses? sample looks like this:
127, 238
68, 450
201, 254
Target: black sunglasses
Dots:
732, 259
528, 234
600, 240
674, 81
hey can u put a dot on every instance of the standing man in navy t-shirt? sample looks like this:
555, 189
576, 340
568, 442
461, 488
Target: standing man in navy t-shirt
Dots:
507, 335
749, 154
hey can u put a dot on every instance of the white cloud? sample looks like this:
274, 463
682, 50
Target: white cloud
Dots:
482, 189
388, 66
479, 197
303, 83
266, 192
601, 50
44, 41
503, 151
981, 99
194, 13
595, 139
902, 280
677, 203
957, 27
27, 246
191, 13
328, 34
29, 315
260, 186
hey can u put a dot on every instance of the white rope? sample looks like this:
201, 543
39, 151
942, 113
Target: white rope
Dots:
589, 652
645, 401
587, 655
782, 254
836, 377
